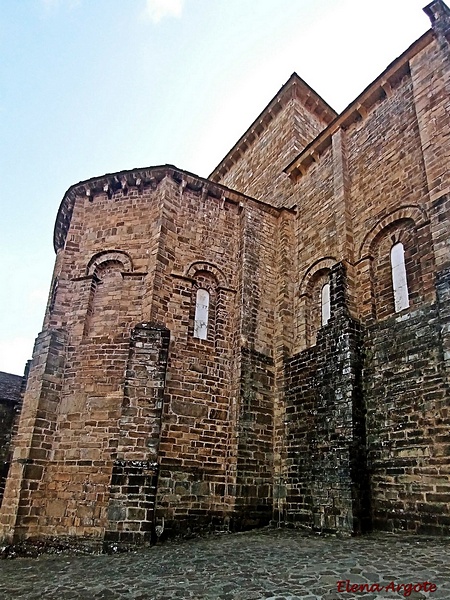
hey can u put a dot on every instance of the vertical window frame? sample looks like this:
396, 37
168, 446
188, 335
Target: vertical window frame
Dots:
399, 277
201, 315
325, 303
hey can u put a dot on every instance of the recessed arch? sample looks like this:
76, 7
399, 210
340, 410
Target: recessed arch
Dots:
204, 266
405, 213
109, 256
396, 268
321, 265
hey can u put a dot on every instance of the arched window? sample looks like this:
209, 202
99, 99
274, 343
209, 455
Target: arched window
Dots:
103, 311
201, 314
325, 303
399, 282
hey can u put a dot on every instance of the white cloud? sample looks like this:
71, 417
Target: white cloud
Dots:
156, 10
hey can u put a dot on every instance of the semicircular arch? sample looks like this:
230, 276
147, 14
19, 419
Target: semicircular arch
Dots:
109, 256
405, 213
204, 266
323, 264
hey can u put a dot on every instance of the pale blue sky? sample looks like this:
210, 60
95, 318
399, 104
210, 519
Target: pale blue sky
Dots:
89, 87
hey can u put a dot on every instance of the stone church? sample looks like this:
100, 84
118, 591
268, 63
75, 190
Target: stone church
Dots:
269, 344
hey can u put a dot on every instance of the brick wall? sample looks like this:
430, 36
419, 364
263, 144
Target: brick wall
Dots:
326, 472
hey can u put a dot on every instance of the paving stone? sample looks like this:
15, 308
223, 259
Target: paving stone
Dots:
257, 565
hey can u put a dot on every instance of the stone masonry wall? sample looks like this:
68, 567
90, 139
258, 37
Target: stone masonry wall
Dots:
107, 278
380, 193
386, 168
10, 404
255, 431
197, 250
326, 473
407, 398
22, 503
7, 416
134, 478
116, 437
144, 252
259, 172
98, 299
205, 461
255, 412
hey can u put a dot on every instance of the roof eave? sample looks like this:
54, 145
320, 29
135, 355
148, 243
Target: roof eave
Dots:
295, 85
358, 109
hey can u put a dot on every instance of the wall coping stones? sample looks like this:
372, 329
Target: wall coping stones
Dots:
378, 90
295, 87
114, 184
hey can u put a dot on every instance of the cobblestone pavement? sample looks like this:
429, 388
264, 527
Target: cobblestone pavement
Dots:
265, 564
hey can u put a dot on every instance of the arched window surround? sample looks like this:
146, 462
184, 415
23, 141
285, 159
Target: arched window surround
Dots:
397, 262
202, 328
317, 308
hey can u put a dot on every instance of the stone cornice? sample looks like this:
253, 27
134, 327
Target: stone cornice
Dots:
295, 87
141, 178
378, 90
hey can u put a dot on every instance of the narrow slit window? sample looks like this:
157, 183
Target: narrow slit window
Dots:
201, 314
399, 281
325, 303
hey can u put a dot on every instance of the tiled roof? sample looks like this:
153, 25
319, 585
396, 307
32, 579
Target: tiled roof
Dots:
10, 386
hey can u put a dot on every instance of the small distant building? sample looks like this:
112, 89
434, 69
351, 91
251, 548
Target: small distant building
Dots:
271, 343
10, 401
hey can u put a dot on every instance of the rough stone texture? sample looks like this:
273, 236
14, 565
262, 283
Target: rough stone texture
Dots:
10, 386
133, 486
408, 442
10, 402
325, 431
292, 120
270, 564
132, 425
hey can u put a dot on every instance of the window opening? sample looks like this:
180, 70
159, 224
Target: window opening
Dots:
325, 303
399, 281
201, 314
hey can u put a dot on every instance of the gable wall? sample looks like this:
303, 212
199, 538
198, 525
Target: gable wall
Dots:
259, 170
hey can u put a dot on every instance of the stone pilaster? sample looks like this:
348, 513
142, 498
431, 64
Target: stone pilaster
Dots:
328, 480
131, 508
32, 445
